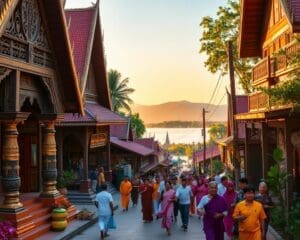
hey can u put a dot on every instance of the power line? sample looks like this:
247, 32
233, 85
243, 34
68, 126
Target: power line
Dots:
214, 92
217, 106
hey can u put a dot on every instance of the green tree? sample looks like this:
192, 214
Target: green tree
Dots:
119, 91
217, 131
137, 124
217, 32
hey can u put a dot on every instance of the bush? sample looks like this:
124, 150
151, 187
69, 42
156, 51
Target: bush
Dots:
68, 177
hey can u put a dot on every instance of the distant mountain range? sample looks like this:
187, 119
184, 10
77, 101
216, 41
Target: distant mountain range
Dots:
180, 111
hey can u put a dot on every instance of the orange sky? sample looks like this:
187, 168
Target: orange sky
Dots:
155, 43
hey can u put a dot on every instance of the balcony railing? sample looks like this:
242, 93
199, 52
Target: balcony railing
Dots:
271, 67
261, 71
258, 101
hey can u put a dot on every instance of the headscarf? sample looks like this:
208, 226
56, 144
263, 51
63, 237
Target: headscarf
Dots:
229, 196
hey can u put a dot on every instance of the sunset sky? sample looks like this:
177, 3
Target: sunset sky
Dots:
156, 43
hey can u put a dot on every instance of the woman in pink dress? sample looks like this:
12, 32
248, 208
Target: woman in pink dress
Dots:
202, 189
166, 212
230, 198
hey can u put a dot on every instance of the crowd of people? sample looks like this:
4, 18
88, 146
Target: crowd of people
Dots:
226, 212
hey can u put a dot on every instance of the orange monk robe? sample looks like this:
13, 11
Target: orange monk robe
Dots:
125, 190
249, 229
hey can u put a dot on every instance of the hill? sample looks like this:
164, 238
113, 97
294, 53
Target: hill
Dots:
179, 111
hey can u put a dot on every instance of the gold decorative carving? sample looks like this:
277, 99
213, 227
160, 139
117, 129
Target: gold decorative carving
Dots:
10, 167
4, 72
49, 171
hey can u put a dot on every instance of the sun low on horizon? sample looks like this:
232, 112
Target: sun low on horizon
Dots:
155, 43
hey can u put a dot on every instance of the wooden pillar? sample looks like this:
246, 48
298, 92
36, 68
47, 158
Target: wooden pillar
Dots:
10, 168
49, 170
59, 140
289, 160
247, 154
108, 158
265, 150
85, 184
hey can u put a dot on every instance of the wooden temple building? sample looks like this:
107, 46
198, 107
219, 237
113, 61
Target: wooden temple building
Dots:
85, 140
268, 27
38, 84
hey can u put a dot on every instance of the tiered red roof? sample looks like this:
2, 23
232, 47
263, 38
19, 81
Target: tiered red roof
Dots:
80, 23
95, 114
131, 146
211, 152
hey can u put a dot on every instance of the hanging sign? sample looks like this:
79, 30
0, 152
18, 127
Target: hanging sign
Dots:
98, 140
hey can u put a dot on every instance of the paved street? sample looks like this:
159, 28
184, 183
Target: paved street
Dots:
130, 226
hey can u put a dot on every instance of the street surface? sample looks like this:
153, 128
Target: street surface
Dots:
131, 227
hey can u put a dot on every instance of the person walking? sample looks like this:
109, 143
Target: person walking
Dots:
243, 183
230, 197
168, 197
125, 190
222, 186
135, 190
250, 215
175, 186
265, 199
101, 178
155, 195
183, 196
214, 208
146, 191
104, 203
94, 177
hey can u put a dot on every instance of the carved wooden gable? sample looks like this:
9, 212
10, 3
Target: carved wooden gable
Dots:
90, 93
25, 37
276, 28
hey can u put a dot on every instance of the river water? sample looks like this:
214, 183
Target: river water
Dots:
177, 135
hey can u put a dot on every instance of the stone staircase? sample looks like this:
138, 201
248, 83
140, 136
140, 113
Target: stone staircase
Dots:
79, 198
38, 219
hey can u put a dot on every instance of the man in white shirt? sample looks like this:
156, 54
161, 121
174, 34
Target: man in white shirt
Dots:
104, 202
183, 196
222, 186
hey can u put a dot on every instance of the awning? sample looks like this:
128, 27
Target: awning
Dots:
225, 141
149, 167
211, 152
131, 146
95, 114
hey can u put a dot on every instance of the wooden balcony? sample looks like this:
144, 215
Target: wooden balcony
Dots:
261, 71
272, 67
258, 102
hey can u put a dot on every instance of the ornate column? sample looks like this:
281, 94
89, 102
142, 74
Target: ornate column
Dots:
85, 183
10, 168
11, 181
49, 170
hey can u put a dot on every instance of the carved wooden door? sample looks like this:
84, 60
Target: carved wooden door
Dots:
28, 163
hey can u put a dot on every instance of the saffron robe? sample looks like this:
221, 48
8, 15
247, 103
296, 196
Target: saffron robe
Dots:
125, 190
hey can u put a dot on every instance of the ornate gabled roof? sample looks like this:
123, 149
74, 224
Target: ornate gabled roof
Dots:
53, 15
253, 14
87, 42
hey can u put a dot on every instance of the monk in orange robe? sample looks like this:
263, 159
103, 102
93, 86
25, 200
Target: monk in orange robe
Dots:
125, 190
250, 215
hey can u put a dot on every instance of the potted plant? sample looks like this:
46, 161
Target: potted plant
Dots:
63, 181
59, 215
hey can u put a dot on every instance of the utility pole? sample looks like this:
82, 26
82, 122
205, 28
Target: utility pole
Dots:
233, 112
204, 138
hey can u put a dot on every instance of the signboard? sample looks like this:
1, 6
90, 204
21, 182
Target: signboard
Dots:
98, 140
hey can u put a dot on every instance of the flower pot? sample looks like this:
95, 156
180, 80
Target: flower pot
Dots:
59, 219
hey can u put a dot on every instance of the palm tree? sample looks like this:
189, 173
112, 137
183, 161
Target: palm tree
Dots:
119, 91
